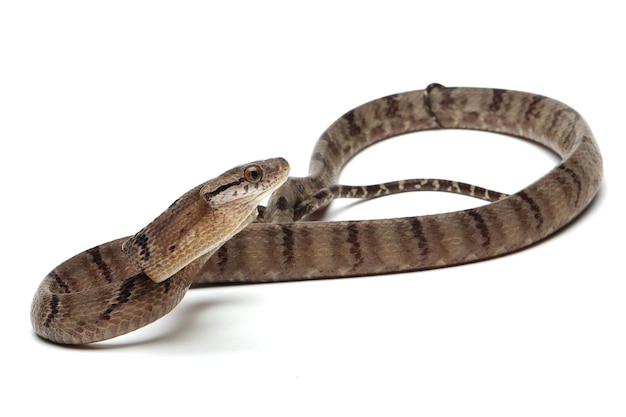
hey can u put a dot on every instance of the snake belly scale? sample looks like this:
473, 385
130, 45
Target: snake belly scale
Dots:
126, 283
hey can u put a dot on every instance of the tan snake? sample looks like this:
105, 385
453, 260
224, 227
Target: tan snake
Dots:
125, 284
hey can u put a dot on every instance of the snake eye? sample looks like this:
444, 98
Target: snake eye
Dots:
253, 173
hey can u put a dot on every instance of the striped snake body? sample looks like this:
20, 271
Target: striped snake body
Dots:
122, 285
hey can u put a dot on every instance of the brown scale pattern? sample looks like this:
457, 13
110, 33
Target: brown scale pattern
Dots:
106, 291
102, 293
326, 249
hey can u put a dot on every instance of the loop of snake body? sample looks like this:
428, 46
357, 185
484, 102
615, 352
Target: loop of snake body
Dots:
208, 236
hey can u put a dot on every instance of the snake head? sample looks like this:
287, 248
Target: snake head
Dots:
204, 218
246, 184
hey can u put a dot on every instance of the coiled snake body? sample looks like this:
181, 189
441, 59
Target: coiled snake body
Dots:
207, 236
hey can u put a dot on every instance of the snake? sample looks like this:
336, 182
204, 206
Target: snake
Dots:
217, 233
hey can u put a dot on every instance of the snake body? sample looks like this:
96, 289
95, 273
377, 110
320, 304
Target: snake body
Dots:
119, 286
279, 247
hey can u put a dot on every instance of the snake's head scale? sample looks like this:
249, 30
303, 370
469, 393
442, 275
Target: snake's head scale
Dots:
200, 221
246, 184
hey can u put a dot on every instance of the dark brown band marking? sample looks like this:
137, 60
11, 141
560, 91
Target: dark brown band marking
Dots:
222, 256
393, 105
354, 128
123, 295
447, 101
534, 207
102, 266
593, 148
496, 100
428, 104
60, 282
556, 118
571, 135
466, 189
322, 194
576, 180
288, 245
355, 245
54, 310
282, 203
141, 240
418, 232
532, 111
480, 224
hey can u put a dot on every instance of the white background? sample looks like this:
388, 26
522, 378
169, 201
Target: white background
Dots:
111, 110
